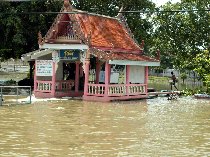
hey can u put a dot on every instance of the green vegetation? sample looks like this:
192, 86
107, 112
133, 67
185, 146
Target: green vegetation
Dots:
187, 88
10, 82
180, 36
183, 37
202, 67
183, 77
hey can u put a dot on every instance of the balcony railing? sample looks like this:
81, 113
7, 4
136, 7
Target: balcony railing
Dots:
64, 85
46, 86
96, 89
117, 89
69, 37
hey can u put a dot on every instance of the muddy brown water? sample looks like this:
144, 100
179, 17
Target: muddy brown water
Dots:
153, 127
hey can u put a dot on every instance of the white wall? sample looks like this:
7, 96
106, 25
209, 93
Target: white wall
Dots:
137, 74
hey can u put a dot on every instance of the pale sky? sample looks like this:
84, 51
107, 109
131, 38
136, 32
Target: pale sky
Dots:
161, 2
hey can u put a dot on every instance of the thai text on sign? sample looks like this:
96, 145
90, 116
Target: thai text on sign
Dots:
43, 67
69, 54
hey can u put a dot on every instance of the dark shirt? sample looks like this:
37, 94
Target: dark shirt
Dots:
173, 78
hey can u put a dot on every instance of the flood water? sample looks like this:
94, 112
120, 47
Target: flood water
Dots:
153, 127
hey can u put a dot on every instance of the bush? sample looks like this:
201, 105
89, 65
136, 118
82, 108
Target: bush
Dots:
26, 82
183, 76
10, 82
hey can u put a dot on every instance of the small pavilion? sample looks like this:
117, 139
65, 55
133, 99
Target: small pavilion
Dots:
91, 56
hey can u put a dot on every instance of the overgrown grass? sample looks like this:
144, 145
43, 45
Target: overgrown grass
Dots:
162, 83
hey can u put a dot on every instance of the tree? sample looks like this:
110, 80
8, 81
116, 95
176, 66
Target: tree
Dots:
202, 64
180, 36
19, 31
183, 77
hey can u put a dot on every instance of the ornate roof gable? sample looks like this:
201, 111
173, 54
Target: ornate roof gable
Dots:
97, 31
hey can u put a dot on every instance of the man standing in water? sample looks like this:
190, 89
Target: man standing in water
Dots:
173, 77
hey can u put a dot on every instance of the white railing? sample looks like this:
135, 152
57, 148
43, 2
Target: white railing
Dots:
117, 89
64, 85
68, 37
96, 89
137, 89
44, 86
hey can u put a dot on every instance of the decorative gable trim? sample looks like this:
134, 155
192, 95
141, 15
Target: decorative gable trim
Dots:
52, 32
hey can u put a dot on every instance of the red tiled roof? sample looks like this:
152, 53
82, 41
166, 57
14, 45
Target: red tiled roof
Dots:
106, 33
109, 38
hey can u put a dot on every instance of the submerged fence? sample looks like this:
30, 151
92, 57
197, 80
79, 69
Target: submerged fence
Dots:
15, 94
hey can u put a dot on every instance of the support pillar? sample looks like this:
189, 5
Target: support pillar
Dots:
81, 70
127, 78
97, 70
107, 78
87, 64
146, 78
35, 79
53, 79
86, 71
31, 69
77, 76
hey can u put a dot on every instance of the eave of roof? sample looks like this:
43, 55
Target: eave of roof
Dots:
110, 55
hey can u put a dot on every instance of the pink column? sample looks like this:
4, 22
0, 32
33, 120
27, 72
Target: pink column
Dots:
87, 64
127, 74
97, 70
77, 77
80, 71
35, 79
146, 78
53, 79
109, 74
107, 78
127, 78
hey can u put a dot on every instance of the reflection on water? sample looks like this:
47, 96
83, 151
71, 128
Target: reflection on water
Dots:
154, 127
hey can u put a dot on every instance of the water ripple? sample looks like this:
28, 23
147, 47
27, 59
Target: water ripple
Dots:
153, 127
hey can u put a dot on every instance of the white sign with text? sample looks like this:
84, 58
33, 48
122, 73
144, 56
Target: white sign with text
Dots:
43, 67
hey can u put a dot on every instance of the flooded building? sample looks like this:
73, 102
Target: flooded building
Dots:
91, 56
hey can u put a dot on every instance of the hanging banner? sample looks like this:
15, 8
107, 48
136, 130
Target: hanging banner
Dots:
44, 68
69, 54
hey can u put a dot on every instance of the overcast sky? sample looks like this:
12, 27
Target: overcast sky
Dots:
161, 2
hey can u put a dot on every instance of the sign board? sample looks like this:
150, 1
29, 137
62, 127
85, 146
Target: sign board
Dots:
44, 68
113, 78
69, 55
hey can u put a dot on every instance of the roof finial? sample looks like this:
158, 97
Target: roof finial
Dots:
67, 5
40, 39
119, 15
